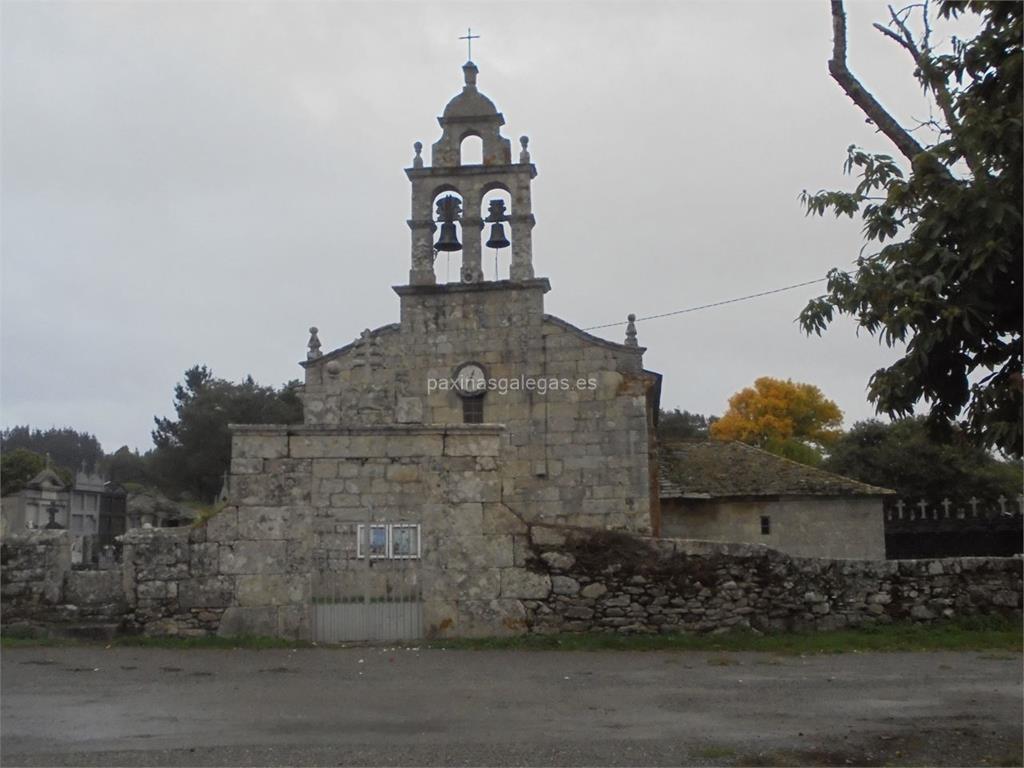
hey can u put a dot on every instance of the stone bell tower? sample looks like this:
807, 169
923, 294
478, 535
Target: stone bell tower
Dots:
470, 114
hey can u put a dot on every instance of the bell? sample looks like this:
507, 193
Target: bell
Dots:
497, 239
448, 240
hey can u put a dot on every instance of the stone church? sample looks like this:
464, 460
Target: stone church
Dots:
431, 443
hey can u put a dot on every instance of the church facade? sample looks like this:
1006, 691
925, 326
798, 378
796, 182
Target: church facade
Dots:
429, 445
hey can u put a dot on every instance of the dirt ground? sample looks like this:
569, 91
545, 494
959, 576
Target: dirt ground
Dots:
406, 706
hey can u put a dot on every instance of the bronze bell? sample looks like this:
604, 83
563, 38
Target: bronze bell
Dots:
448, 240
497, 238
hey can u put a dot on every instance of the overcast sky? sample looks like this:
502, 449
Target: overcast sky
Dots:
193, 182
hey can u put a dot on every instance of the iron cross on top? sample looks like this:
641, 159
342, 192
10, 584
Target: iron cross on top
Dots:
469, 37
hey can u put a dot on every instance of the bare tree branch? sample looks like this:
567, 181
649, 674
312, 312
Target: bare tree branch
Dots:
837, 67
890, 34
923, 60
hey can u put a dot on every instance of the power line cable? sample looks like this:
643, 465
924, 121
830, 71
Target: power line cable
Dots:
713, 304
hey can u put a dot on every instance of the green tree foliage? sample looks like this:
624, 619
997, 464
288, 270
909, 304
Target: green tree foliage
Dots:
193, 450
907, 457
67, 447
683, 425
127, 466
17, 467
946, 279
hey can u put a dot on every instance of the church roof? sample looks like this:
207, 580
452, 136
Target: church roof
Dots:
710, 469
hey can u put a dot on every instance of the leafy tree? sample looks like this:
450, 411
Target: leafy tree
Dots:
683, 425
194, 450
67, 447
907, 457
17, 467
946, 279
127, 466
785, 417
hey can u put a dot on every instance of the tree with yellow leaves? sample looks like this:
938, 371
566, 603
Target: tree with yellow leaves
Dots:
785, 417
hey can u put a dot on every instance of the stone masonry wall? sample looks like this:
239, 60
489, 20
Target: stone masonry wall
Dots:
313, 486
234, 576
33, 566
40, 588
574, 455
611, 582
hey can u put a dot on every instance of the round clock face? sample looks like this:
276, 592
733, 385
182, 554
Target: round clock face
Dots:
470, 380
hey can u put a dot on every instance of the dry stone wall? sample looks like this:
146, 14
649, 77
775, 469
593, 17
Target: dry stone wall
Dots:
244, 573
611, 582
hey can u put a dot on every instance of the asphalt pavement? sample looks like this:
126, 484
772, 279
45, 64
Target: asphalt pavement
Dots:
406, 706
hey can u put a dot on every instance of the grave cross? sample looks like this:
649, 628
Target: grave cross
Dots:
946, 503
974, 501
469, 37
1002, 505
899, 508
923, 507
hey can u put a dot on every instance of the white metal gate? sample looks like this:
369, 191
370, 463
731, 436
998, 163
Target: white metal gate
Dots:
369, 588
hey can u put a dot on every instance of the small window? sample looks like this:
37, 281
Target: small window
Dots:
405, 542
378, 541
766, 525
400, 541
472, 410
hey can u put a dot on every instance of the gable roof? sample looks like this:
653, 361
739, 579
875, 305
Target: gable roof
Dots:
45, 480
710, 469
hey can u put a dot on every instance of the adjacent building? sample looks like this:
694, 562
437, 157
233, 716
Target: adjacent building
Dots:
729, 491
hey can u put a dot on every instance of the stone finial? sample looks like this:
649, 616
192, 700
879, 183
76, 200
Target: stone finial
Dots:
417, 162
470, 71
631, 331
314, 344
524, 154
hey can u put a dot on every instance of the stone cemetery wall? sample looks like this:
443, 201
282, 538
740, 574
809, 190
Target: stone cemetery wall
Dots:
39, 586
245, 573
607, 581
33, 566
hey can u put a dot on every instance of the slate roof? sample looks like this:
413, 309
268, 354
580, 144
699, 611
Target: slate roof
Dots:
711, 469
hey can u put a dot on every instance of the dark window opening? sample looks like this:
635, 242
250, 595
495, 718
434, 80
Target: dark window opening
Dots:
472, 410
766, 525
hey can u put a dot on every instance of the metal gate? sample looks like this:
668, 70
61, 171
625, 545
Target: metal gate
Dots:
368, 588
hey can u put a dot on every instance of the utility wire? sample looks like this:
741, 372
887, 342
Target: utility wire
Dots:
713, 304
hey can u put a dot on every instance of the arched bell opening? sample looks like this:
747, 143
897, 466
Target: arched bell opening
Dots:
496, 234
471, 150
447, 211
